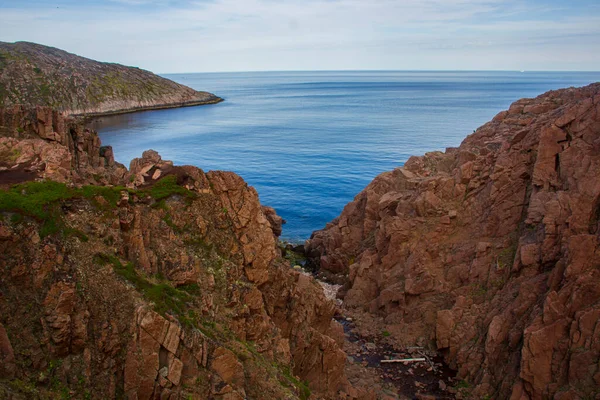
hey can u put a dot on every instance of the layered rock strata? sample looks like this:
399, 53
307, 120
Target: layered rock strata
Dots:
488, 252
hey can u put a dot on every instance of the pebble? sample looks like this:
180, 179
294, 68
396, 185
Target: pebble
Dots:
365, 347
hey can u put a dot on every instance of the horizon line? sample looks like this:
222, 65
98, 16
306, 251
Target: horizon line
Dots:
379, 70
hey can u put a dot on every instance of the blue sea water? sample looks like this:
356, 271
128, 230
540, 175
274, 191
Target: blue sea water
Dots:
310, 141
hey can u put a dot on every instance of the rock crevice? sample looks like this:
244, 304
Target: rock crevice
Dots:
488, 252
160, 281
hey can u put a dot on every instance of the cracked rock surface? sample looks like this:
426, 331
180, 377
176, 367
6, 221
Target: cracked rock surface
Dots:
488, 252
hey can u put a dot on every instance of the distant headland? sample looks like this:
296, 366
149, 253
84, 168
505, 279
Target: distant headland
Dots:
37, 75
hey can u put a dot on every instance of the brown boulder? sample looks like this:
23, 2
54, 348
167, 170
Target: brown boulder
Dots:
227, 366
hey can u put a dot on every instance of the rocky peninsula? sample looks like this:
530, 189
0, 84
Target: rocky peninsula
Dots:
38, 75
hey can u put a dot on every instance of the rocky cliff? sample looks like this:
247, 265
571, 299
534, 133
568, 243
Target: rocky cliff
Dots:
488, 252
157, 282
37, 75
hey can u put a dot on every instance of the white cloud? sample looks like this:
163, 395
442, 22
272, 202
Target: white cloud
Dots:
313, 34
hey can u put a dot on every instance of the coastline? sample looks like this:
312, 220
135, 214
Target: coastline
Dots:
164, 106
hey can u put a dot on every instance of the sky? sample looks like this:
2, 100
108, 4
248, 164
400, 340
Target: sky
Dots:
176, 36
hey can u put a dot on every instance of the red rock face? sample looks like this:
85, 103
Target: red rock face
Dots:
489, 251
41, 142
97, 312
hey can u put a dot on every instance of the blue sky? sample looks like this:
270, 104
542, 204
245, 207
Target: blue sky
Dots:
262, 35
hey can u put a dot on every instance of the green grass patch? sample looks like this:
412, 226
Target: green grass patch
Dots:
39, 200
169, 221
463, 385
24, 387
291, 256
160, 205
302, 387
42, 200
191, 288
166, 187
506, 257
32, 198
478, 290
165, 297
111, 194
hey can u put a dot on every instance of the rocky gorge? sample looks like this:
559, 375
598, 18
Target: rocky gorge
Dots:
478, 266
487, 253
155, 282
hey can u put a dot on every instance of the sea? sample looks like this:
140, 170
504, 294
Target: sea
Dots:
311, 141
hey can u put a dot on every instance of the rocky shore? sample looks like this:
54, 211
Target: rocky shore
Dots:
160, 281
487, 253
478, 267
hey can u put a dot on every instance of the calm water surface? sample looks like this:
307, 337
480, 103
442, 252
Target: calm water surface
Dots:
310, 141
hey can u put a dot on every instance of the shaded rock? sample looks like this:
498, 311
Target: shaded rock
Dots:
7, 354
275, 220
41, 142
487, 252
226, 365
145, 293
